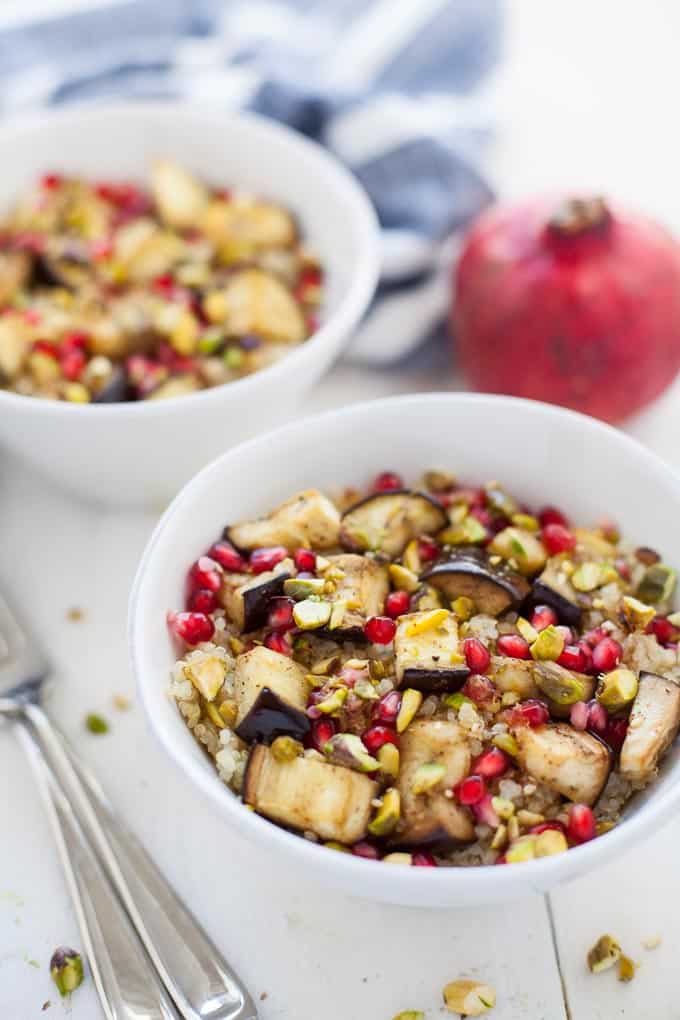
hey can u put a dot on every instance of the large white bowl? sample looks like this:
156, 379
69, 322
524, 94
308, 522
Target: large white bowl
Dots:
545, 454
140, 453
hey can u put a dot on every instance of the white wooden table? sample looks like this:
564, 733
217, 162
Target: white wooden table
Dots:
583, 104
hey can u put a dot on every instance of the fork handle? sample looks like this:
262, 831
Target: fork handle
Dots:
126, 982
199, 980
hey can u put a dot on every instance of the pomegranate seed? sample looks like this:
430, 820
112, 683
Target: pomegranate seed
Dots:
607, 655
476, 655
227, 557
27, 240
557, 539
428, 550
661, 629
587, 656
397, 603
501, 860
206, 573
597, 717
566, 632
32, 317
479, 689
46, 347
581, 825
623, 569
376, 736
380, 630
366, 850
100, 250
191, 627
483, 516
573, 658
578, 715
530, 713
513, 645
51, 181
484, 812
388, 707
72, 364
542, 617
321, 732
423, 860
551, 515
554, 823
267, 558
75, 341
470, 790
280, 615
387, 481
202, 601
593, 637
305, 559
279, 641
615, 733
491, 763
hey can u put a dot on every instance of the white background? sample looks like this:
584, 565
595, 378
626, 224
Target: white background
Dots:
587, 97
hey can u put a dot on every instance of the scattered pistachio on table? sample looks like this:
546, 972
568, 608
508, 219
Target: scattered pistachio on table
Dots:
66, 968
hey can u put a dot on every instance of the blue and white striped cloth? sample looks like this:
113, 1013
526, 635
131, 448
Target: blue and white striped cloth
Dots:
392, 87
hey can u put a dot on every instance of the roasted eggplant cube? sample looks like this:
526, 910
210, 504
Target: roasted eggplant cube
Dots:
362, 592
428, 657
310, 795
271, 693
246, 597
494, 588
653, 726
116, 390
309, 519
387, 521
552, 588
573, 763
432, 819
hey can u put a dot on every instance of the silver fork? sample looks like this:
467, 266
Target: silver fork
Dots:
141, 939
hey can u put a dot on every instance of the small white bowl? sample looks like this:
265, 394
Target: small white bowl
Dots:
140, 453
545, 454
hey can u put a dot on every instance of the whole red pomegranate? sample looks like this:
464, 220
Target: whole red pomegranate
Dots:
573, 301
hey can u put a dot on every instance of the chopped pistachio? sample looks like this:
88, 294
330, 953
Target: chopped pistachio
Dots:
522, 546
503, 807
427, 621
529, 818
558, 684
410, 1014
604, 954
229, 712
456, 700
427, 777
236, 646
96, 723
388, 814
626, 968
500, 837
411, 558
411, 700
376, 669
428, 597
657, 584
213, 714
299, 588
463, 607
66, 968
526, 522
334, 701
388, 758
233, 357
652, 942
513, 828
323, 667
340, 847
439, 481
529, 633
469, 531
402, 578
310, 615
76, 393
637, 614
348, 749
617, 689
507, 743
121, 702
398, 858
550, 842
469, 998
286, 749
207, 675
521, 849
500, 500
587, 577
548, 645
509, 698
75, 614
365, 690
674, 619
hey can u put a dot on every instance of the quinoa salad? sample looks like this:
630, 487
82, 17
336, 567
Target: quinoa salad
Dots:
110, 292
430, 676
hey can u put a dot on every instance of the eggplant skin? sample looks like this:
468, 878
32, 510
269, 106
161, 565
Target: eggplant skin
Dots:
117, 389
386, 522
247, 603
435, 681
309, 795
468, 572
542, 594
270, 717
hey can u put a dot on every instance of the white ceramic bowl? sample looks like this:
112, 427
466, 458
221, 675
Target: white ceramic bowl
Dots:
140, 453
546, 455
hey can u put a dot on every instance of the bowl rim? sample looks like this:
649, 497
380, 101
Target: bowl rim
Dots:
475, 882
351, 306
